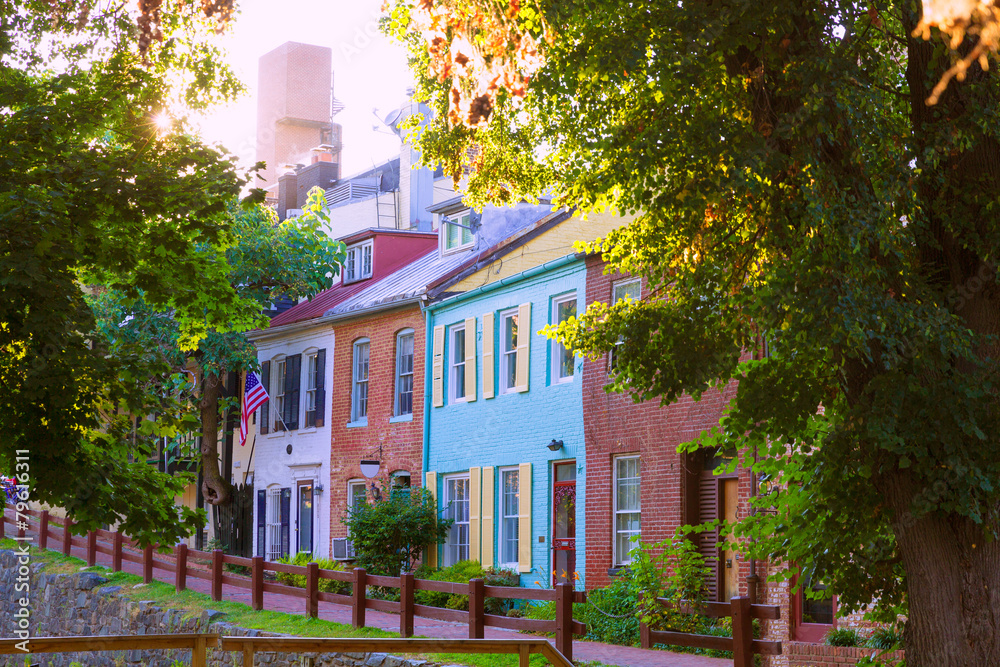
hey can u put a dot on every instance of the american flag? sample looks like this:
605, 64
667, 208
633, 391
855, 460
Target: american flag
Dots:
254, 395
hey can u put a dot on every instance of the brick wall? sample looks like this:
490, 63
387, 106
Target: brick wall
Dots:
402, 441
801, 654
614, 425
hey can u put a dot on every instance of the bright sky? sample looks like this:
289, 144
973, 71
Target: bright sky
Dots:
369, 70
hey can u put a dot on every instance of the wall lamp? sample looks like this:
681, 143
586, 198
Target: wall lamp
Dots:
555, 445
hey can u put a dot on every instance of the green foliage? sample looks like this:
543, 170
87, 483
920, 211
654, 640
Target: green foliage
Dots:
887, 638
790, 185
671, 569
299, 580
843, 637
390, 534
461, 572
619, 599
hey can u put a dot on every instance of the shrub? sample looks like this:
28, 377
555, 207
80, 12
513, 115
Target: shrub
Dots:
460, 573
671, 569
885, 639
620, 599
299, 580
842, 637
389, 534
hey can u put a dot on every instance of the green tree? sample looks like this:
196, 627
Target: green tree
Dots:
794, 185
268, 261
95, 191
390, 533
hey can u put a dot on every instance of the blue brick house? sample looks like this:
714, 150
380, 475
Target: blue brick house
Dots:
503, 437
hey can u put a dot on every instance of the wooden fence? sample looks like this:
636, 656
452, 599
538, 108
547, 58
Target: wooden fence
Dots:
248, 646
186, 563
742, 644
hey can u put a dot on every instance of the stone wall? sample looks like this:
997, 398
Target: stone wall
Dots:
82, 604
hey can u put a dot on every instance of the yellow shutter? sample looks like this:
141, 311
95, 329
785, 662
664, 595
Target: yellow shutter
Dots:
486, 557
475, 498
470, 359
524, 518
523, 345
489, 365
431, 554
437, 377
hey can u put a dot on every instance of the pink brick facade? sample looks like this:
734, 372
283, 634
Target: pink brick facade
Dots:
401, 441
800, 654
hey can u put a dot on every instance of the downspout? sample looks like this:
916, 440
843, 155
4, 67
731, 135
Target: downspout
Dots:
428, 362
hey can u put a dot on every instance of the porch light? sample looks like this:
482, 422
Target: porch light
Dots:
555, 445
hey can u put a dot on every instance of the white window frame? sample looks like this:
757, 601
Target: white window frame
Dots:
462, 218
453, 549
273, 507
359, 385
278, 369
352, 485
624, 558
311, 359
615, 298
508, 381
359, 262
558, 350
456, 367
504, 533
400, 374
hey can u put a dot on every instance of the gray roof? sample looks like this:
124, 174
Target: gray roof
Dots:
411, 281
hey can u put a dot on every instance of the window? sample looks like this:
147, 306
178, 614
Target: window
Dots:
359, 394
456, 356
510, 496
813, 617
404, 374
310, 389
456, 498
358, 264
626, 289
563, 360
278, 382
457, 231
275, 522
626, 506
508, 351
356, 493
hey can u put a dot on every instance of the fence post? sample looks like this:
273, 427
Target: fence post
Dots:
21, 524
91, 548
217, 575
477, 620
564, 620
406, 605
645, 641
358, 608
248, 654
3, 521
147, 564
67, 536
199, 652
312, 589
181, 561
43, 529
742, 632
116, 553
257, 583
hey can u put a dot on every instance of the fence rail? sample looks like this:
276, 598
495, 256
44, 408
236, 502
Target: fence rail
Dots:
184, 562
248, 646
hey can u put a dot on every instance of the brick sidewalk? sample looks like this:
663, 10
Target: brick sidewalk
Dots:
583, 651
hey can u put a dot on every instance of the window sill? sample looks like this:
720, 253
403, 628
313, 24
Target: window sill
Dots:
361, 423
400, 419
617, 570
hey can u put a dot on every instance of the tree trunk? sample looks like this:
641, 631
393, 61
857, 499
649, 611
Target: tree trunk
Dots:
214, 487
953, 587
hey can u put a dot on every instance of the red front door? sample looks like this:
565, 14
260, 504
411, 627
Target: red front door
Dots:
564, 523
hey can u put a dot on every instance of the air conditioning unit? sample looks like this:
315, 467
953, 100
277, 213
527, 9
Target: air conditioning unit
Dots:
343, 549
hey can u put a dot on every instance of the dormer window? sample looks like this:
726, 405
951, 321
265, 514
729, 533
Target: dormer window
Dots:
358, 264
456, 231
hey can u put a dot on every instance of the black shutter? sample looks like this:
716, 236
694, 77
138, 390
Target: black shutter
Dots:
261, 521
707, 542
265, 410
293, 382
320, 388
286, 511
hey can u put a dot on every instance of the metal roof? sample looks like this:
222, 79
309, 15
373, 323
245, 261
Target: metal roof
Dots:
406, 283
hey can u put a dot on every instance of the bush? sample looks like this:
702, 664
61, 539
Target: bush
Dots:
460, 573
885, 639
842, 637
389, 535
618, 599
299, 580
